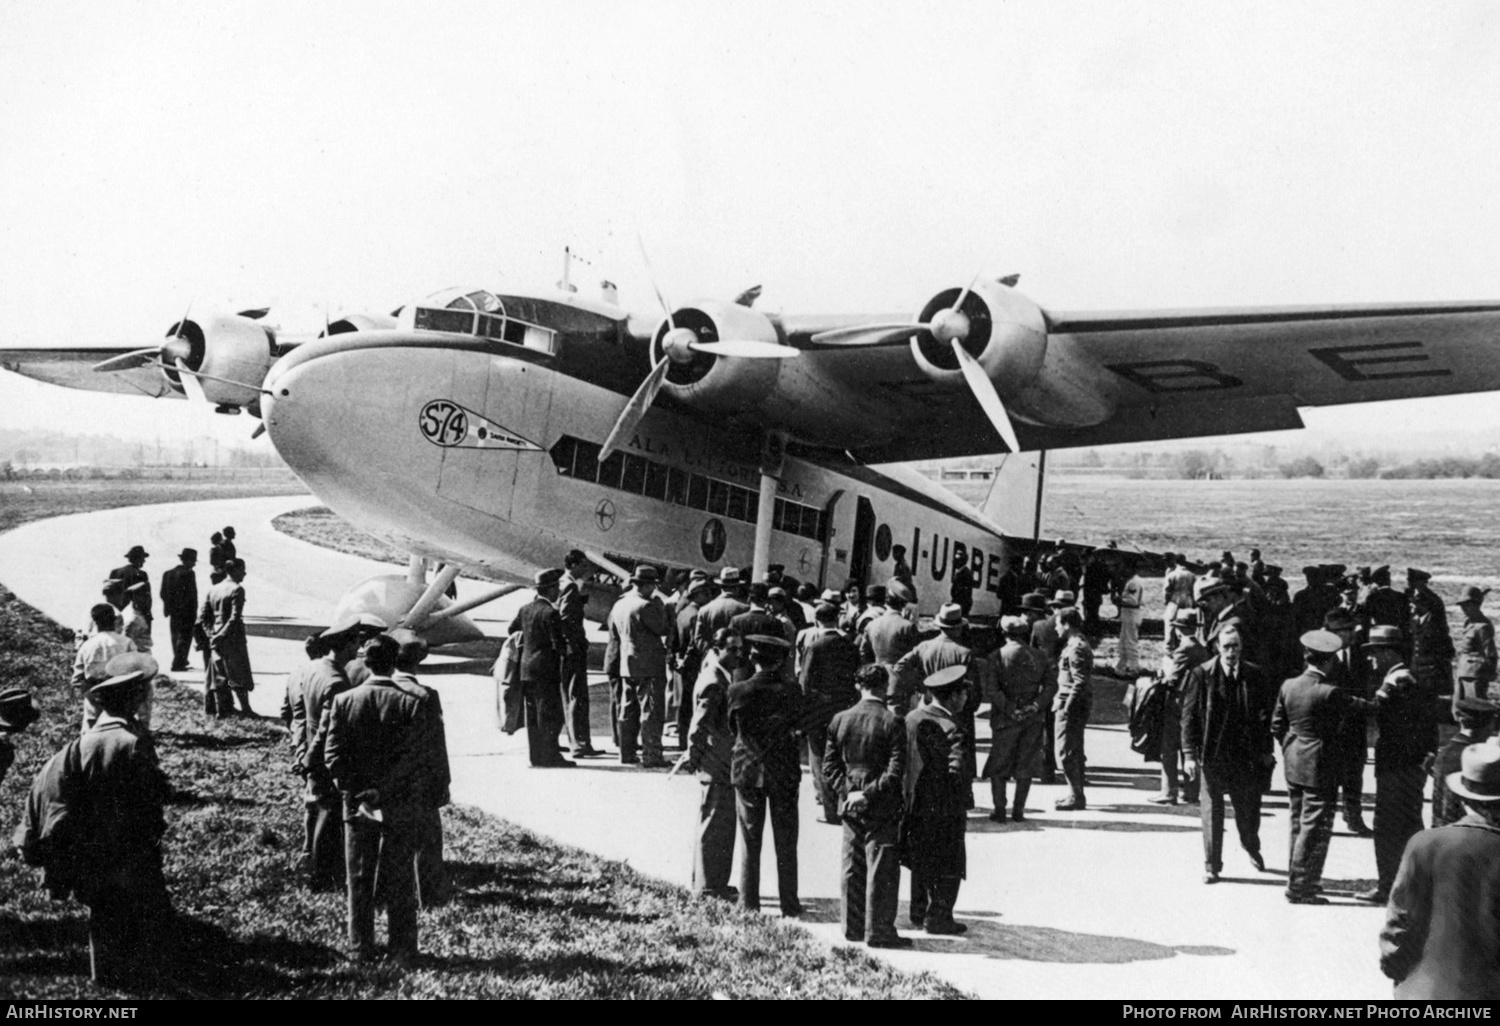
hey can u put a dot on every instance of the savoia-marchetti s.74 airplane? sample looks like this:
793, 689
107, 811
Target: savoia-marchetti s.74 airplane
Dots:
478, 430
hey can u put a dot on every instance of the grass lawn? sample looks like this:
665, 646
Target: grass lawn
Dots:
322, 526
530, 918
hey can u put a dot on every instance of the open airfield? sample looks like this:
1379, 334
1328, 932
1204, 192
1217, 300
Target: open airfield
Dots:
1105, 903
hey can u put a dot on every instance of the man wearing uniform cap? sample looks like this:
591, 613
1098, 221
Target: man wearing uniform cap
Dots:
1309, 710
121, 794
1476, 723
179, 604
16, 714
541, 645
1407, 741
223, 620
949, 648
1476, 650
1431, 644
1351, 672
133, 573
764, 713
1441, 940
1226, 743
938, 797
1384, 605
1020, 704
638, 625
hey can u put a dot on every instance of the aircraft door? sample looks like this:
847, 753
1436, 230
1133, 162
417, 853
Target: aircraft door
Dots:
864, 537
830, 534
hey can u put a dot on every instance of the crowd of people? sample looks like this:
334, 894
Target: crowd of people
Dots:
748, 677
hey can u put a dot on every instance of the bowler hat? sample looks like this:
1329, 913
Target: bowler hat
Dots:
1063, 599
1322, 641
546, 578
17, 712
1479, 779
188, 554
1474, 595
645, 572
948, 677
136, 550
1415, 576
1034, 600
1385, 637
950, 616
729, 576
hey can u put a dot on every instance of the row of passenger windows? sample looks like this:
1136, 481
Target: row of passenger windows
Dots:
630, 472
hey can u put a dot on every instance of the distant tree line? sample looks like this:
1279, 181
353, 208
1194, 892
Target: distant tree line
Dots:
1198, 464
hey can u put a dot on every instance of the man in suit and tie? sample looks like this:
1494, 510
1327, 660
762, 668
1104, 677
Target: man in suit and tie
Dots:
866, 769
710, 747
179, 604
1352, 672
889, 636
1309, 712
827, 680
1227, 739
542, 646
720, 612
949, 648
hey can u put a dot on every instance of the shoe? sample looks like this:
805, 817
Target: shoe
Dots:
791, 911
1358, 828
916, 924
1258, 861
1018, 815
654, 764
1070, 805
1047, 778
586, 752
948, 929
1306, 899
1163, 799
181, 669
1211, 877
630, 760
558, 763
854, 938
834, 821
890, 942
1375, 896
1190, 799
998, 816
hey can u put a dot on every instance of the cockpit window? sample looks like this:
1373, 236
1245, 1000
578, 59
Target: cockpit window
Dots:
481, 314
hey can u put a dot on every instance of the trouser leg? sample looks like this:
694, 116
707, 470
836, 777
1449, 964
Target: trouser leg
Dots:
853, 892
713, 854
1246, 798
750, 807
614, 713
397, 881
549, 708
882, 882
1211, 814
328, 843
943, 896
362, 854
109, 940
1070, 755
684, 708
997, 793
630, 718
1294, 873
917, 908
1352, 781
1315, 829
431, 871
784, 829
653, 693
1023, 790
1049, 747
1398, 818
817, 745
1129, 660
575, 687
181, 628
538, 745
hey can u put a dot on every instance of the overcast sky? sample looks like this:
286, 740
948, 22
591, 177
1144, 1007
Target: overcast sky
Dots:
850, 158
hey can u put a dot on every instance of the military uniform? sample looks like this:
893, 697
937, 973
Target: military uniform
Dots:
1309, 711
929, 657
937, 793
1408, 735
828, 688
1070, 710
709, 745
321, 682
763, 715
1476, 658
179, 604
376, 749
542, 646
1020, 705
867, 753
1431, 644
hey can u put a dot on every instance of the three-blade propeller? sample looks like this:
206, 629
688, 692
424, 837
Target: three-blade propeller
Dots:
678, 346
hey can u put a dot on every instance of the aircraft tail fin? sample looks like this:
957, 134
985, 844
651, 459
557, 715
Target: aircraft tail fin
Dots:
1016, 491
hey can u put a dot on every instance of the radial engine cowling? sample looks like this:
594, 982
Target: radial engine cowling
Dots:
998, 326
716, 384
232, 353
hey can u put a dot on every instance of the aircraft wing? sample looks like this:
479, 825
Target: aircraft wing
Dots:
73, 368
1185, 373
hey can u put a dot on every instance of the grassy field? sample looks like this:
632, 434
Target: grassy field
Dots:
531, 918
322, 526
21, 501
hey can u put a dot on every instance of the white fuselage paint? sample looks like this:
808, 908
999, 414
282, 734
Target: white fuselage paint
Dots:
374, 433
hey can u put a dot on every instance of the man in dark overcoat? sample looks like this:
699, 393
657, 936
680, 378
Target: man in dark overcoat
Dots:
1310, 709
572, 599
542, 646
937, 802
827, 681
1226, 742
1441, 940
866, 768
223, 620
179, 604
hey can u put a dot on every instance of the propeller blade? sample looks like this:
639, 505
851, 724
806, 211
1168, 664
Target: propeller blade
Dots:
636, 408
989, 400
745, 349
128, 361
190, 383
260, 429
959, 304
869, 334
651, 277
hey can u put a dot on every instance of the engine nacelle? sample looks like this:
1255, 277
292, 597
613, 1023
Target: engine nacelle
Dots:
231, 352
719, 384
1007, 334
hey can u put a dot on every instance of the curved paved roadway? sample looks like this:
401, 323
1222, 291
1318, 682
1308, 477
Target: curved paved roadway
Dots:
1104, 904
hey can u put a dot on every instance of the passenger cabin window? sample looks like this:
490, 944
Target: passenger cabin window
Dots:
481, 314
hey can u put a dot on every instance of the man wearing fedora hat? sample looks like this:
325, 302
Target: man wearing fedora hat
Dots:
827, 680
1476, 722
1441, 940
638, 625
179, 604
1407, 739
133, 573
888, 637
938, 797
1309, 710
718, 613
122, 792
17, 712
1176, 664
948, 648
538, 626
1476, 651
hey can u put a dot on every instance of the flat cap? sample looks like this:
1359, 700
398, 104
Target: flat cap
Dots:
948, 677
1326, 642
126, 670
